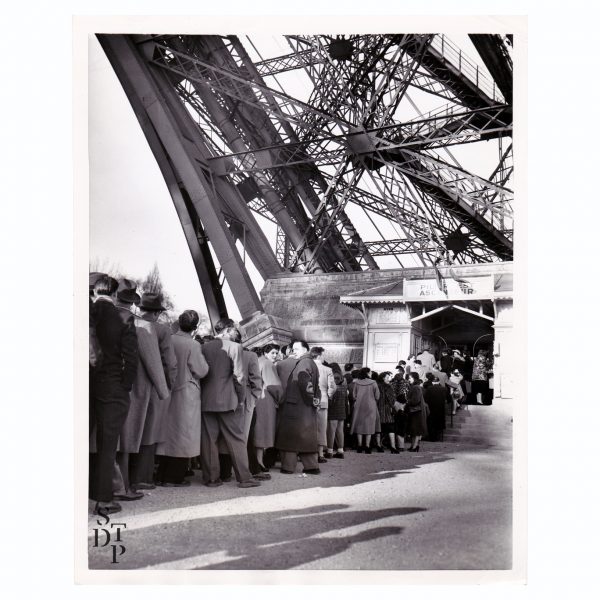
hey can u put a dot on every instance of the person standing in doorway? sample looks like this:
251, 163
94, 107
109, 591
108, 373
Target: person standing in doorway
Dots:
480, 376
427, 360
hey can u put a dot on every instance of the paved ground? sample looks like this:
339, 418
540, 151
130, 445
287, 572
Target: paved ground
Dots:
446, 507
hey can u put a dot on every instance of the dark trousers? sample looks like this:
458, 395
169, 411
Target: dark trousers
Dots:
141, 469
171, 469
110, 408
230, 426
289, 460
225, 462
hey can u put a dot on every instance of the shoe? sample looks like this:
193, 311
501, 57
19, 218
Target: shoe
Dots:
225, 479
328, 454
286, 471
107, 509
261, 476
189, 473
128, 497
380, 449
312, 471
394, 451
248, 484
368, 450
416, 449
359, 450
263, 469
338, 455
216, 483
322, 460
143, 486
400, 449
169, 484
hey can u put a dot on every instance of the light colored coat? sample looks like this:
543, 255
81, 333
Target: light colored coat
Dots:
266, 405
150, 379
157, 409
427, 360
326, 383
183, 419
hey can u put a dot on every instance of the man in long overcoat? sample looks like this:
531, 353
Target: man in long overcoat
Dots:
112, 381
183, 419
154, 427
149, 380
223, 407
297, 419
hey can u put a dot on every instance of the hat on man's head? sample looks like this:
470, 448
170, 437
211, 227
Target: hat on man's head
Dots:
126, 292
152, 301
94, 276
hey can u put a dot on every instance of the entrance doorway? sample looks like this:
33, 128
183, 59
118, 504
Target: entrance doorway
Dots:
452, 326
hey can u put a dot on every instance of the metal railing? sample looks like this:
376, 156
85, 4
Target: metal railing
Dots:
454, 55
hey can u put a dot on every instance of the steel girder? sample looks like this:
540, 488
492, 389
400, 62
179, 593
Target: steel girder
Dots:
155, 107
301, 159
290, 181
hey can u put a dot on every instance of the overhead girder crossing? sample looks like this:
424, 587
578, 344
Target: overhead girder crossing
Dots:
294, 183
252, 148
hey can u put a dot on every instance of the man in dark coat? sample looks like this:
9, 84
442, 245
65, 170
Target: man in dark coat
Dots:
446, 362
112, 381
435, 398
297, 415
223, 407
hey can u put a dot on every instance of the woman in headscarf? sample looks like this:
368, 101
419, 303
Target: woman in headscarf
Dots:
365, 414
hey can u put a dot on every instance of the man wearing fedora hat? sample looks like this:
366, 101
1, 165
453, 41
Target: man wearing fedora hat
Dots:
112, 380
149, 381
154, 431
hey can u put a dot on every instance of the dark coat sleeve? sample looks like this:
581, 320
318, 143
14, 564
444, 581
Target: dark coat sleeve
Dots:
129, 349
254, 377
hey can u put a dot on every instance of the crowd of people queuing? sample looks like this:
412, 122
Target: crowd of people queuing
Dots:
165, 401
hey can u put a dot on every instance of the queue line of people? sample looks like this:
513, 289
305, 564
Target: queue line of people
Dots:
162, 402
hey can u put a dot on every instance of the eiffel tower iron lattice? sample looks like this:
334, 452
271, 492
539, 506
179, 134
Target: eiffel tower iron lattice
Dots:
349, 146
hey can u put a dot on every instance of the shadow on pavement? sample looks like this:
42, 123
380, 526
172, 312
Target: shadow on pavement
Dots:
269, 540
351, 471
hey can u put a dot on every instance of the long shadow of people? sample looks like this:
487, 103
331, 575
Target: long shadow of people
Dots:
384, 468
299, 552
246, 538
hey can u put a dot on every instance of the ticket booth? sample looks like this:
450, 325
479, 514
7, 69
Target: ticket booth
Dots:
466, 313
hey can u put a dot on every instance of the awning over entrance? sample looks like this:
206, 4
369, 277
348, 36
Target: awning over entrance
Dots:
450, 307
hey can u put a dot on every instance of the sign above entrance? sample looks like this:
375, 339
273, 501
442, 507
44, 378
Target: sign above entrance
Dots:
469, 288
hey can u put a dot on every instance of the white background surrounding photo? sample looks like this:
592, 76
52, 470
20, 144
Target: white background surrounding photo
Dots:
37, 313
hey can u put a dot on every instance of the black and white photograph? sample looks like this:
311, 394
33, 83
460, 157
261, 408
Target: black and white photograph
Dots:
305, 351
